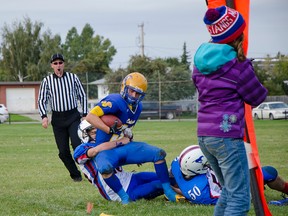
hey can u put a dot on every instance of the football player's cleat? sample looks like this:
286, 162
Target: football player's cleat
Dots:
279, 202
178, 198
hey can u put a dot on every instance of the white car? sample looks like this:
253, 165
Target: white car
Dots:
271, 110
4, 114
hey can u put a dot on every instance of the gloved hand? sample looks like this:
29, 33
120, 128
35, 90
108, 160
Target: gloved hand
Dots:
114, 129
128, 133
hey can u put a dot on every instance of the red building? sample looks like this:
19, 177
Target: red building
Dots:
20, 97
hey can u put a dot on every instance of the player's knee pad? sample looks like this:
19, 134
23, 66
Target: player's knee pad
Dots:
106, 169
269, 173
161, 155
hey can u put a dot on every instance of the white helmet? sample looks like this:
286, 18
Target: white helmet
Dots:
83, 129
192, 161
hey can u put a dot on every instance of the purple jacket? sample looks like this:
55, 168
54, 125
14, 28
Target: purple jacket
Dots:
224, 84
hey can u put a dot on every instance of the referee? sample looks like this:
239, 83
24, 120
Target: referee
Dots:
62, 90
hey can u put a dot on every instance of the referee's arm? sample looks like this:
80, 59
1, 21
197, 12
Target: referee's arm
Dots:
42, 99
82, 97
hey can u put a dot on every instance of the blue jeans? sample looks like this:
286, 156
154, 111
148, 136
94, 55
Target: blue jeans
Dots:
227, 157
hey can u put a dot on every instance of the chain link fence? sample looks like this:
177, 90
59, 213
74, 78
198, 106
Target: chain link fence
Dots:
163, 100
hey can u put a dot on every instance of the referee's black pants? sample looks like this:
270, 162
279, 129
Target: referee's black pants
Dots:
65, 126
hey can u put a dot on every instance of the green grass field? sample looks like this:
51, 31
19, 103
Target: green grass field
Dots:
19, 118
33, 180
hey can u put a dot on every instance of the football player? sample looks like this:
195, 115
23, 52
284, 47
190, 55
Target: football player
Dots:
192, 177
127, 106
137, 185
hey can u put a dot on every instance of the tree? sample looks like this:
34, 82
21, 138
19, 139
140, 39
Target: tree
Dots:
175, 81
167, 76
272, 72
88, 56
72, 45
50, 44
87, 53
185, 57
260, 73
21, 48
26, 53
114, 80
279, 74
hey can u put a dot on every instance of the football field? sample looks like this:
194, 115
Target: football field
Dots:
33, 180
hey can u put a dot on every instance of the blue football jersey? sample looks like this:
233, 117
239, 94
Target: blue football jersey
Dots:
201, 189
114, 104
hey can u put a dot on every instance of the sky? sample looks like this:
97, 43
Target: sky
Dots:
167, 24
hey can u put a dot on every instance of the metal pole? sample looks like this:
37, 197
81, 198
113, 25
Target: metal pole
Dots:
87, 86
142, 39
159, 84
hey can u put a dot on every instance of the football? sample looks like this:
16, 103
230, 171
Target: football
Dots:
109, 120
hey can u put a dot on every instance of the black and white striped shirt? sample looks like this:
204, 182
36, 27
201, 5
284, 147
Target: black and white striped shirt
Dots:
62, 93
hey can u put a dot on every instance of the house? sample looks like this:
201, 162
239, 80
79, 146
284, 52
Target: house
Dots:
20, 97
102, 92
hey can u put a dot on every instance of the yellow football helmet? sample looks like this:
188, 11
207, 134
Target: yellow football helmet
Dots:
137, 82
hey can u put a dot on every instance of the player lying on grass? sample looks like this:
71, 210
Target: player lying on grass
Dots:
192, 177
137, 185
127, 106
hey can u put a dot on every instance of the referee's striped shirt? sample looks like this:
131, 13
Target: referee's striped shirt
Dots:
62, 93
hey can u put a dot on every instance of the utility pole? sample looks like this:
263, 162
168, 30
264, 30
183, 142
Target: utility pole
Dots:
87, 85
142, 39
159, 95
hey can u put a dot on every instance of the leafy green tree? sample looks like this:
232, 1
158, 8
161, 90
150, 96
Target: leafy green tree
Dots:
172, 80
72, 45
285, 86
272, 72
26, 52
87, 53
21, 48
185, 57
140, 64
260, 73
275, 84
282, 68
50, 44
114, 80
166, 82
88, 56
77, 47
3, 76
